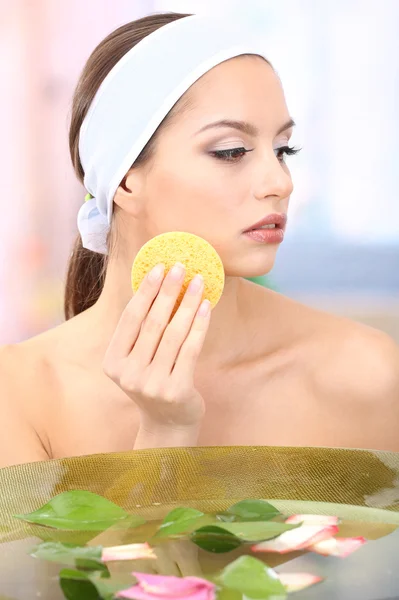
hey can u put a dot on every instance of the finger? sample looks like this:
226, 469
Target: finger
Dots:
157, 318
187, 358
177, 330
129, 325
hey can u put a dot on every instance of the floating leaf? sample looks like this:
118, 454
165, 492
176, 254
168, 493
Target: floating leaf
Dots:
252, 510
80, 510
77, 585
108, 588
215, 539
182, 520
224, 593
224, 537
66, 553
86, 564
255, 531
252, 578
81, 557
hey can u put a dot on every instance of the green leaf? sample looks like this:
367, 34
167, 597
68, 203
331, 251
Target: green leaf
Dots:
80, 510
225, 537
252, 510
215, 539
82, 557
86, 564
108, 589
256, 531
182, 520
66, 553
77, 586
225, 593
252, 578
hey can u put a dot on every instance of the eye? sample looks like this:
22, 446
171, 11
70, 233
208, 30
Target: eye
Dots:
231, 154
286, 151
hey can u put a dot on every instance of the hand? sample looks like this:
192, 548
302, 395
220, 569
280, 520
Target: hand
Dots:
152, 358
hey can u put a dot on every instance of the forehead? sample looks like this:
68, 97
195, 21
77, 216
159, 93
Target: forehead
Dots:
243, 87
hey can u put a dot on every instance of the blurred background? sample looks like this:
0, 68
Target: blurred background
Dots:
339, 64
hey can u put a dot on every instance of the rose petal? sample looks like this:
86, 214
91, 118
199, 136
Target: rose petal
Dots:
127, 552
178, 584
313, 519
341, 547
152, 587
297, 539
294, 582
137, 593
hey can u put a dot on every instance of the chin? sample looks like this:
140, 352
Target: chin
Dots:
250, 265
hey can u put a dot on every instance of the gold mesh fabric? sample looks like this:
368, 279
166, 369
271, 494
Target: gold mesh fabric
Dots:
212, 479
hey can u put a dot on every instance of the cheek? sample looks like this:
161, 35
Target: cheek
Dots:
193, 196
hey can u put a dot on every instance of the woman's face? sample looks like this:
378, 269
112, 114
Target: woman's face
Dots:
196, 183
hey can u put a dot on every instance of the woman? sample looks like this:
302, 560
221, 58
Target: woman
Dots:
261, 369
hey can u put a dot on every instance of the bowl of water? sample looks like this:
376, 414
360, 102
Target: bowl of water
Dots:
360, 487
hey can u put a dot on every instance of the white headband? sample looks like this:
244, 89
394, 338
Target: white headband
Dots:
135, 97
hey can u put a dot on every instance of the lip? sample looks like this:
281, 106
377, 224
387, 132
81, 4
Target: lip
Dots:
277, 219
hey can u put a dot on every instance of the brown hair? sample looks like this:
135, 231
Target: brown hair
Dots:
86, 269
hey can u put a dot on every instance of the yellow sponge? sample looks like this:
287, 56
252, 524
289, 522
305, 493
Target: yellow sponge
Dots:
195, 253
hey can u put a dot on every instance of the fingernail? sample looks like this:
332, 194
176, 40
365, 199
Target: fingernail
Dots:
195, 284
156, 273
177, 272
204, 308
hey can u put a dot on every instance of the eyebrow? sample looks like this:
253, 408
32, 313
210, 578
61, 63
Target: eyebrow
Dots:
244, 126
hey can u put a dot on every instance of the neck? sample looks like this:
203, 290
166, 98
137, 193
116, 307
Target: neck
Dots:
228, 328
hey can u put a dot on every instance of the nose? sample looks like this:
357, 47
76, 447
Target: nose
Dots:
274, 179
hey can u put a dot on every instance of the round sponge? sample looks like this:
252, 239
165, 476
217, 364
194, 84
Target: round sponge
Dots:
195, 253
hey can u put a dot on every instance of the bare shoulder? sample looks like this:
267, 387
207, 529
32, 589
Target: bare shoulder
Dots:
360, 359
26, 379
26, 362
342, 353
354, 372
351, 370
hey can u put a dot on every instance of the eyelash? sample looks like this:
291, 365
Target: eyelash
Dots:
227, 155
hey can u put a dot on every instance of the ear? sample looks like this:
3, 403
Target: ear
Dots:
128, 196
